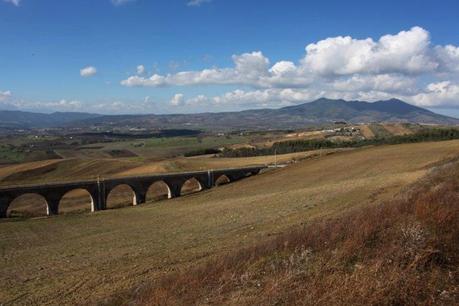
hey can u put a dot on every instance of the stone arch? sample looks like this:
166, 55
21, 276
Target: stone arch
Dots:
158, 190
222, 180
121, 195
191, 185
76, 200
28, 205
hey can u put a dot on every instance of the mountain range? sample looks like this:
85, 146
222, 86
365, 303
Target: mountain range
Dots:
317, 112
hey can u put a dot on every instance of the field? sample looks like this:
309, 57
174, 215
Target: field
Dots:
63, 144
31, 205
86, 258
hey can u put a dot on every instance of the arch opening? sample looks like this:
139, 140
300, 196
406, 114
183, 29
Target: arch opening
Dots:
121, 196
28, 205
76, 201
158, 191
190, 186
222, 180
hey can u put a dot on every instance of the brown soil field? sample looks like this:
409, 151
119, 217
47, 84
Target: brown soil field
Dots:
397, 129
366, 131
86, 258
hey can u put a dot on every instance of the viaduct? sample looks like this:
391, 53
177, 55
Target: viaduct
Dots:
100, 189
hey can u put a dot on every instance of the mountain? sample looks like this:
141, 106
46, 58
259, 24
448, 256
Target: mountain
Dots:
20, 119
393, 110
317, 112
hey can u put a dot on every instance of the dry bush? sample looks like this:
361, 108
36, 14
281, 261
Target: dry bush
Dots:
404, 251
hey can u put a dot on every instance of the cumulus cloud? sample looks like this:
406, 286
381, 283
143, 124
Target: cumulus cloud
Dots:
88, 71
14, 2
4, 95
140, 69
249, 69
407, 52
448, 57
390, 83
198, 2
443, 93
405, 65
177, 100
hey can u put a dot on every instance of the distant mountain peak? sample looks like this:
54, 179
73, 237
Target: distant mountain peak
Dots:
320, 111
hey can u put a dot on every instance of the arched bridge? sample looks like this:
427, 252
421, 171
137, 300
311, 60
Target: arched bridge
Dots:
100, 189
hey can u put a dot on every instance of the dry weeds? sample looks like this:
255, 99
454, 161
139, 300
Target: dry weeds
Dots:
403, 252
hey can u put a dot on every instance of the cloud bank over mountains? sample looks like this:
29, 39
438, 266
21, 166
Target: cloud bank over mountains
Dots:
405, 65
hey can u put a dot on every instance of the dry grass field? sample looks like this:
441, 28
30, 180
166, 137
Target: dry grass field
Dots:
403, 251
86, 258
77, 169
77, 201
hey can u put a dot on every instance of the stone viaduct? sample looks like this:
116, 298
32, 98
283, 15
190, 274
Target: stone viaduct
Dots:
100, 189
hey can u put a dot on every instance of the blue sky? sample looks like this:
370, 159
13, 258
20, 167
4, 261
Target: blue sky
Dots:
190, 56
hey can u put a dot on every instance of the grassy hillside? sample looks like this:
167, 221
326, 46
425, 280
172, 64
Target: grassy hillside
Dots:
87, 258
79, 200
402, 252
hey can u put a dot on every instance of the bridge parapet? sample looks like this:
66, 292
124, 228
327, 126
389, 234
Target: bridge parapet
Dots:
99, 190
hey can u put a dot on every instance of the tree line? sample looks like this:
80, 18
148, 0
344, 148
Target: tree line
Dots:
292, 146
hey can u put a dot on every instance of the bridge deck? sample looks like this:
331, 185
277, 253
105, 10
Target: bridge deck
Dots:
131, 177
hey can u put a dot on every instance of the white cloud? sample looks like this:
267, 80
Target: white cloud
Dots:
407, 52
121, 2
177, 100
88, 71
197, 2
14, 2
390, 83
274, 97
448, 57
140, 69
66, 104
4, 95
405, 65
438, 94
249, 69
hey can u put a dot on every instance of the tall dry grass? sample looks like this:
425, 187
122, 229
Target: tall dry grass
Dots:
403, 252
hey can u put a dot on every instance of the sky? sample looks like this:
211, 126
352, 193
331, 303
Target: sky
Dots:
188, 56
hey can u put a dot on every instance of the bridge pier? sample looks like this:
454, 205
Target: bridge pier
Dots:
53, 208
140, 197
5, 200
3, 209
53, 201
175, 190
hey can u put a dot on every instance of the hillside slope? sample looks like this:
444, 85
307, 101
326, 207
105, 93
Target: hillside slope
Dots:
81, 259
402, 252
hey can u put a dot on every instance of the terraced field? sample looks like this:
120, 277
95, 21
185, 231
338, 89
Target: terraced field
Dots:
85, 258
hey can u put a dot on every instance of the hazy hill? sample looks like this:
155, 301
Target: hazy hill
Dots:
20, 119
316, 112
